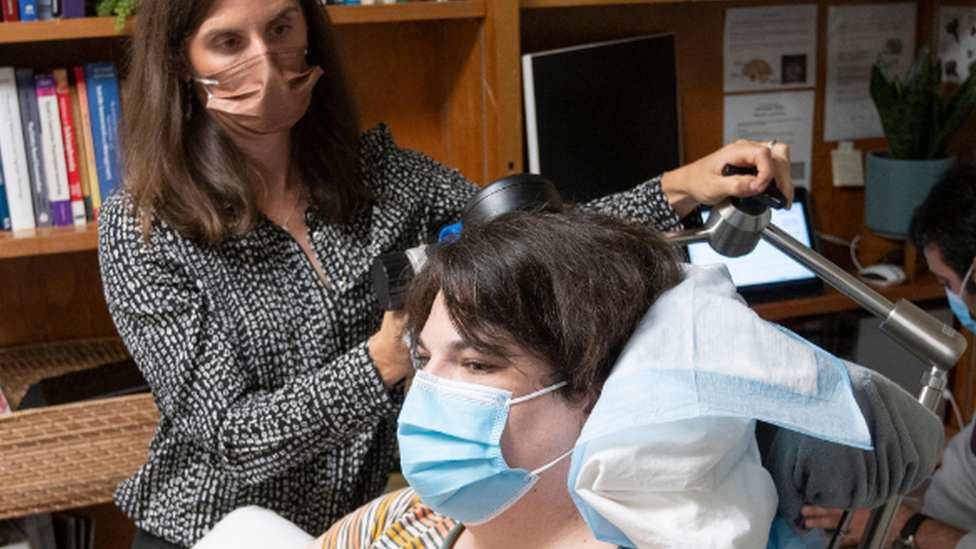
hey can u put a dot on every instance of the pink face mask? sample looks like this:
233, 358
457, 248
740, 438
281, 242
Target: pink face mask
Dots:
262, 95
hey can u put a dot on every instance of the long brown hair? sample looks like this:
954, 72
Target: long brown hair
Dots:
180, 167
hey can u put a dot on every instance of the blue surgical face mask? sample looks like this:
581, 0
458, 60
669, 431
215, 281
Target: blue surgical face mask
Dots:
449, 433
958, 306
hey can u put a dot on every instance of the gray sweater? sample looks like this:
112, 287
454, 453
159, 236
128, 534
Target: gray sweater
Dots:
906, 438
951, 497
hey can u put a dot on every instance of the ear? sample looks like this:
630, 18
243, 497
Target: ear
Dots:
182, 60
592, 396
186, 74
970, 285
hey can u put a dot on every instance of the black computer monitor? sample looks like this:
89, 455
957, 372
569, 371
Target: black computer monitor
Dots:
601, 118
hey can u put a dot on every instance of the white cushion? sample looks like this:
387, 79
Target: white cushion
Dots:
255, 527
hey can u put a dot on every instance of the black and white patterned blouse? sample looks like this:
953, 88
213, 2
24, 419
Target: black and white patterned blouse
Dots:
267, 391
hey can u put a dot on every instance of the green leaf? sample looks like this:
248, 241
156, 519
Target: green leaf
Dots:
105, 8
957, 112
916, 121
887, 93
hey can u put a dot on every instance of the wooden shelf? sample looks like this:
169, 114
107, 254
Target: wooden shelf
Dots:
62, 29
584, 3
104, 27
925, 287
49, 240
409, 11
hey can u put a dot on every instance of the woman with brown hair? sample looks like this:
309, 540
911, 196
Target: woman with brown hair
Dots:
236, 258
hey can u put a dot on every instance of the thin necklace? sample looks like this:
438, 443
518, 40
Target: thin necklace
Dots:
292, 212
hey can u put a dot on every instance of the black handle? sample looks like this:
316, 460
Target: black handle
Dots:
771, 195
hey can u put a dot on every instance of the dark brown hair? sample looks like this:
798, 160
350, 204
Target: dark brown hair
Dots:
568, 288
180, 167
947, 218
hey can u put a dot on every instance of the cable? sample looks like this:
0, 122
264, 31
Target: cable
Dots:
970, 380
833, 239
853, 247
947, 394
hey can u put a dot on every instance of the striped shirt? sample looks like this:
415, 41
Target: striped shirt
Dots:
392, 521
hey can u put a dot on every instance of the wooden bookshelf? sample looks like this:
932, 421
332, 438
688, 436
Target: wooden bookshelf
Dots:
104, 27
48, 240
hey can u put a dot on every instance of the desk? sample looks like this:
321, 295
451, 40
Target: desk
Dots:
925, 286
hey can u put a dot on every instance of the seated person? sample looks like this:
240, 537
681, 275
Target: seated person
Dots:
944, 228
540, 307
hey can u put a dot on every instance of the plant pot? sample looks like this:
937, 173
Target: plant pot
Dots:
894, 188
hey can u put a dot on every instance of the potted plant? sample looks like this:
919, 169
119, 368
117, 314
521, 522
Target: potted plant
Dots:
919, 122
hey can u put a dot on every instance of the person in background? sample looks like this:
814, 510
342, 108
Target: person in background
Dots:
236, 262
944, 228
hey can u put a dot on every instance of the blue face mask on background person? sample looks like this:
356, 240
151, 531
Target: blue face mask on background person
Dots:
958, 306
449, 433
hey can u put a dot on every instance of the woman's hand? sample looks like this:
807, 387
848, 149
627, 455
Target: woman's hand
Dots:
389, 352
702, 182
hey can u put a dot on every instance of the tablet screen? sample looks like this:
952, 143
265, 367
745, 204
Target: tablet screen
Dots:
766, 273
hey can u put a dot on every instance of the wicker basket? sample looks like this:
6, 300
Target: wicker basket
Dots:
21, 367
73, 455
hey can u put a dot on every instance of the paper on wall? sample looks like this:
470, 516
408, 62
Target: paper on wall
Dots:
770, 47
785, 116
855, 37
847, 165
957, 41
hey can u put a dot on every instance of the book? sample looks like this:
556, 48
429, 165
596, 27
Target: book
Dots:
4, 210
52, 145
12, 535
4, 405
94, 200
86, 533
55, 9
28, 10
65, 529
31, 122
72, 9
44, 10
70, 146
102, 83
13, 154
82, 147
10, 10
40, 531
